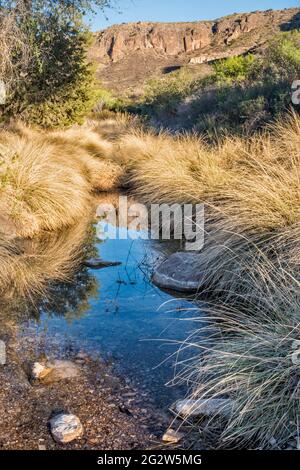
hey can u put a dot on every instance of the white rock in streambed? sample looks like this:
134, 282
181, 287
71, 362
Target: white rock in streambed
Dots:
207, 408
54, 371
172, 437
2, 353
66, 428
40, 371
63, 370
180, 272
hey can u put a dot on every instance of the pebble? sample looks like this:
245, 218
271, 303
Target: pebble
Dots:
40, 371
66, 428
208, 408
2, 353
172, 437
63, 370
97, 263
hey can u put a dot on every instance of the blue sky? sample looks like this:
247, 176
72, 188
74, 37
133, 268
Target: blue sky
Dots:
181, 10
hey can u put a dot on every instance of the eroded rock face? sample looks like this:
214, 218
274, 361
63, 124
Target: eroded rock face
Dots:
181, 272
172, 39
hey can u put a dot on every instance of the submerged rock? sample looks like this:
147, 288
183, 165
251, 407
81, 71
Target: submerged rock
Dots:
2, 353
97, 263
62, 370
171, 436
208, 408
54, 371
66, 428
180, 272
40, 371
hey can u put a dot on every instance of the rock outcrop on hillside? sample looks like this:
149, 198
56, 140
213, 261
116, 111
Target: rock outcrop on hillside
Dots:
129, 54
174, 39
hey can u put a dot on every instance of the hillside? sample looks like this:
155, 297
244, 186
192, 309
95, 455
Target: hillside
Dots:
127, 54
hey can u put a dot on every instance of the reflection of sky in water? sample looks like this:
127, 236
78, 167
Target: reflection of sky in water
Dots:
131, 319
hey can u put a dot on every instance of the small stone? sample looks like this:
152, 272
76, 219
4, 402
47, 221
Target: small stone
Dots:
273, 442
2, 353
171, 436
42, 447
66, 428
63, 370
40, 371
208, 408
82, 356
98, 263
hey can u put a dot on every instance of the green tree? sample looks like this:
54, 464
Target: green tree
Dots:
49, 79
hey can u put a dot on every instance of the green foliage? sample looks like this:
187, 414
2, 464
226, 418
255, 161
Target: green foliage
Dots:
241, 94
107, 101
234, 68
164, 94
61, 89
58, 88
283, 55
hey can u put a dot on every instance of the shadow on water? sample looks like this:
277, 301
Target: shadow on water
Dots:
116, 312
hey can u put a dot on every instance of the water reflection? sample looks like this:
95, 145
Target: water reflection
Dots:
45, 273
114, 312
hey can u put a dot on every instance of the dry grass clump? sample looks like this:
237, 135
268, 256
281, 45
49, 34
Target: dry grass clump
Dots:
252, 357
38, 191
251, 189
112, 125
47, 179
28, 266
259, 176
162, 168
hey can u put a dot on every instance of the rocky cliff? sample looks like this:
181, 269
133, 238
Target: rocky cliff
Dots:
175, 39
128, 54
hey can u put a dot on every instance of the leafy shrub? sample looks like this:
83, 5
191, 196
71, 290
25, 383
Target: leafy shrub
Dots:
164, 94
57, 85
234, 68
106, 101
241, 94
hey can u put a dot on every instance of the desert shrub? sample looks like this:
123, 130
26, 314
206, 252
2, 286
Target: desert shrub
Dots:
57, 85
283, 55
234, 68
240, 95
106, 101
162, 95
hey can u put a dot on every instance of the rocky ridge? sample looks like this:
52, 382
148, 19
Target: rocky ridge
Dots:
129, 54
172, 39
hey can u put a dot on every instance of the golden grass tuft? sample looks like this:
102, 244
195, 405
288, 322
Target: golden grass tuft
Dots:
251, 189
28, 266
251, 357
47, 178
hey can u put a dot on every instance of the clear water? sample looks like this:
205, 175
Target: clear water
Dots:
127, 318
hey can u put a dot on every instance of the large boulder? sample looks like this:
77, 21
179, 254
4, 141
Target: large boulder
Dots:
181, 272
